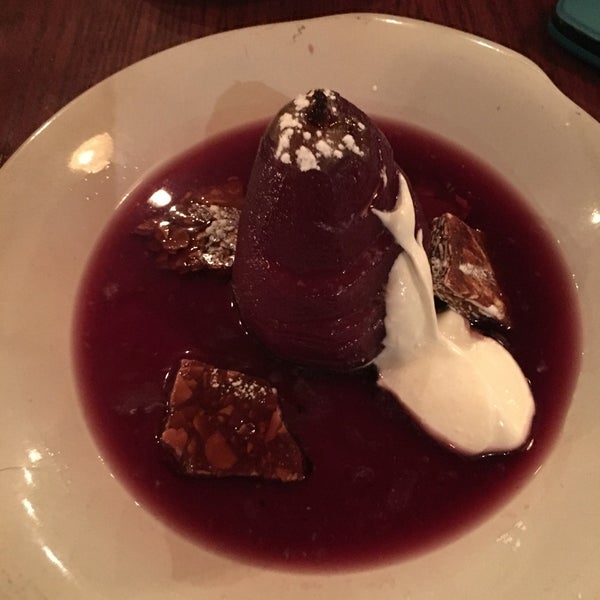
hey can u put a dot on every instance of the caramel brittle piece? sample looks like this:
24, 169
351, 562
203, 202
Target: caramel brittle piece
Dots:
463, 276
198, 231
226, 423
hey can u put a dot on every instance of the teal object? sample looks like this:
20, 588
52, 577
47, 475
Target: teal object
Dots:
575, 25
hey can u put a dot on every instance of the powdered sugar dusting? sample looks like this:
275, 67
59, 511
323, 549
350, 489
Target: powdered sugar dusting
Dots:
301, 101
302, 145
350, 143
324, 148
305, 159
287, 120
284, 141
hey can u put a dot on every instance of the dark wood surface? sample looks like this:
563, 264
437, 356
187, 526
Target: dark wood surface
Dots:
52, 50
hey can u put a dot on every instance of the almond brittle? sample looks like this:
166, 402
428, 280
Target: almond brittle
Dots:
225, 423
197, 231
463, 275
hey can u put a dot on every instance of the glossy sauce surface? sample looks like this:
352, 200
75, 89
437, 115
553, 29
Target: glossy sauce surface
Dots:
379, 488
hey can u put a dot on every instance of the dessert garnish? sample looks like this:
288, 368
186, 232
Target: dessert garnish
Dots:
462, 387
197, 231
463, 275
225, 423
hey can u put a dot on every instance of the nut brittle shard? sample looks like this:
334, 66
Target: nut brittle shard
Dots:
462, 273
197, 231
225, 423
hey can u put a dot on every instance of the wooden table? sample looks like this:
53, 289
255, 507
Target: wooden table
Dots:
53, 50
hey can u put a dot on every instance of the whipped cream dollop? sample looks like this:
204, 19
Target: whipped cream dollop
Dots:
463, 388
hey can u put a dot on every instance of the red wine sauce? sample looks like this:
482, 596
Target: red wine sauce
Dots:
379, 489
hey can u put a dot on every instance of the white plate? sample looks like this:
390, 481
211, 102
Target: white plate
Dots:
67, 527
